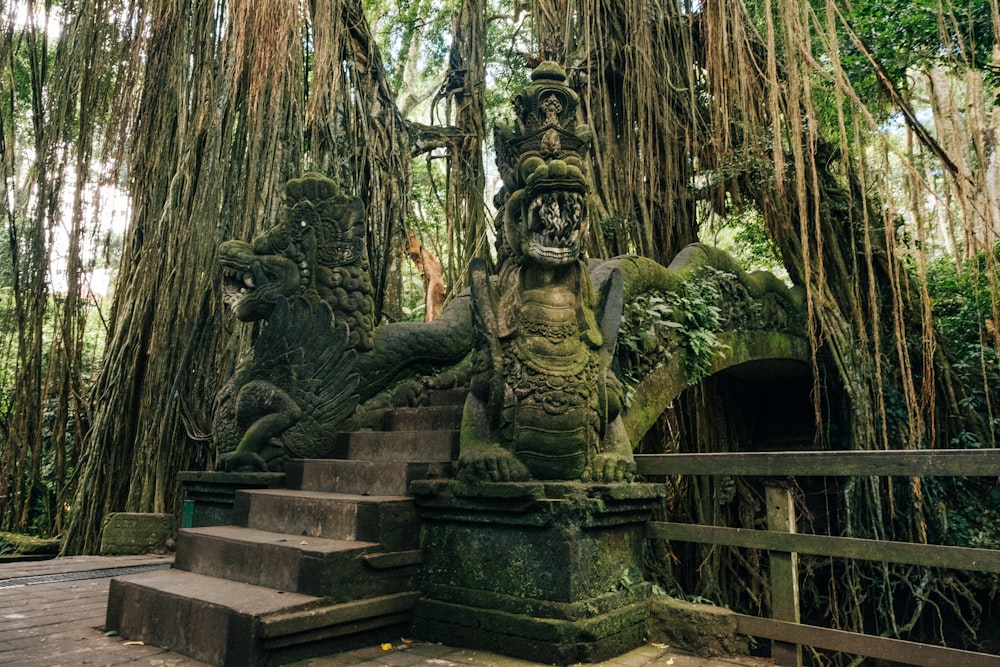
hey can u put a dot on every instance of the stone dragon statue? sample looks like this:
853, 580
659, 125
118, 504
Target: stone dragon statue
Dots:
307, 277
317, 252
544, 402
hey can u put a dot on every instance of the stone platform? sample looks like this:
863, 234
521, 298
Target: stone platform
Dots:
51, 619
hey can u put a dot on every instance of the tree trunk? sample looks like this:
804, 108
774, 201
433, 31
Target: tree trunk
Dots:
216, 135
465, 91
357, 136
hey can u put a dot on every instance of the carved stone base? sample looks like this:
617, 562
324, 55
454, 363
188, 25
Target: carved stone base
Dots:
550, 572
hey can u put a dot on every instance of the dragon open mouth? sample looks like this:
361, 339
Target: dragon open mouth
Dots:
251, 283
556, 226
237, 283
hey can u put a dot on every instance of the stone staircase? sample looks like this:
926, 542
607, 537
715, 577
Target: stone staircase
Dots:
324, 564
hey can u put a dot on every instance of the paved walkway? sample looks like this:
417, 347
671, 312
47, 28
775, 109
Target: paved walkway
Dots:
52, 615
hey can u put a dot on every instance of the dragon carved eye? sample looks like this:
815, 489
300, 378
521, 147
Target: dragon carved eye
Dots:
272, 242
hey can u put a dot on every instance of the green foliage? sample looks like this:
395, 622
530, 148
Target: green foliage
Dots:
429, 223
686, 319
697, 305
962, 302
506, 39
962, 306
905, 34
742, 233
413, 302
414, 36
644, 336
966, 510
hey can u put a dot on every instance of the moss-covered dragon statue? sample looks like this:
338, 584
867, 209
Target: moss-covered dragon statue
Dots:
307, 278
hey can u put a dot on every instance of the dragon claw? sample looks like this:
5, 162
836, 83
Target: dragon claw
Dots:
492, 464
610, 468
242, 462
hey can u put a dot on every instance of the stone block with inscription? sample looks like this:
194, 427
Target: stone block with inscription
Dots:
133, 533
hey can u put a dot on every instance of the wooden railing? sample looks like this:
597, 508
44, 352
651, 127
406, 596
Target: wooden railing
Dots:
784, 544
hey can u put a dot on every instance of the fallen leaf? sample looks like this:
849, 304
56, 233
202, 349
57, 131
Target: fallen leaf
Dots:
303, 542
387, 646
661, 645
405, 640
136, 643
111, 633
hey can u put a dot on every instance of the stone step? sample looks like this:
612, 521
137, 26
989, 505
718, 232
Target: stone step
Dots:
209, 619
235, 624
439, 397
331, 621
399, 446
376, 478
428, 418
389, 520
340, 570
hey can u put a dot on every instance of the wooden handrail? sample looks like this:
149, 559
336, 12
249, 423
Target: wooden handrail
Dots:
784, 630
907, 463
908, 553
895, 650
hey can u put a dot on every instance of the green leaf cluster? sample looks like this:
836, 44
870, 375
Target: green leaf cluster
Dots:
904, 34
687, 319
961, 298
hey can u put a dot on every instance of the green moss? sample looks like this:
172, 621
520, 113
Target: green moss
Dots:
14, 543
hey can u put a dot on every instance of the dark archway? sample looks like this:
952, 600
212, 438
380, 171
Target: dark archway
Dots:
773, 361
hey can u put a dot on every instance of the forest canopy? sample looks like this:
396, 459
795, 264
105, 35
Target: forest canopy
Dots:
851, 147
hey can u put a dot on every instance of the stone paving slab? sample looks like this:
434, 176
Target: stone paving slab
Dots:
412, 655
60, 624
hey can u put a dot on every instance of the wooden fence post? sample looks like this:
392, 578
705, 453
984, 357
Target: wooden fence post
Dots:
784, 573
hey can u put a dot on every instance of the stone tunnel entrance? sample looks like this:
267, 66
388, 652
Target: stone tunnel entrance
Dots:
772, 401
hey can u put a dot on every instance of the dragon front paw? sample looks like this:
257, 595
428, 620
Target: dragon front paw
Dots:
610, 468
491, 464
242, 462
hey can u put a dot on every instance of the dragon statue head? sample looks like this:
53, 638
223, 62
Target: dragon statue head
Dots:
541, 161
317, 251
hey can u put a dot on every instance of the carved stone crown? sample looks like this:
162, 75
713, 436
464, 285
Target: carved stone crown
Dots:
314, 202
545, 129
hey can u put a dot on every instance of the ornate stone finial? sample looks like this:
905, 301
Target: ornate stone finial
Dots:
541, 161
545, 129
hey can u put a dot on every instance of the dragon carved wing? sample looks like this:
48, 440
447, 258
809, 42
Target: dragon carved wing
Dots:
303, 350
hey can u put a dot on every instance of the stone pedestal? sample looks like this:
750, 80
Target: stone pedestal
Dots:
546, 571
208, 496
